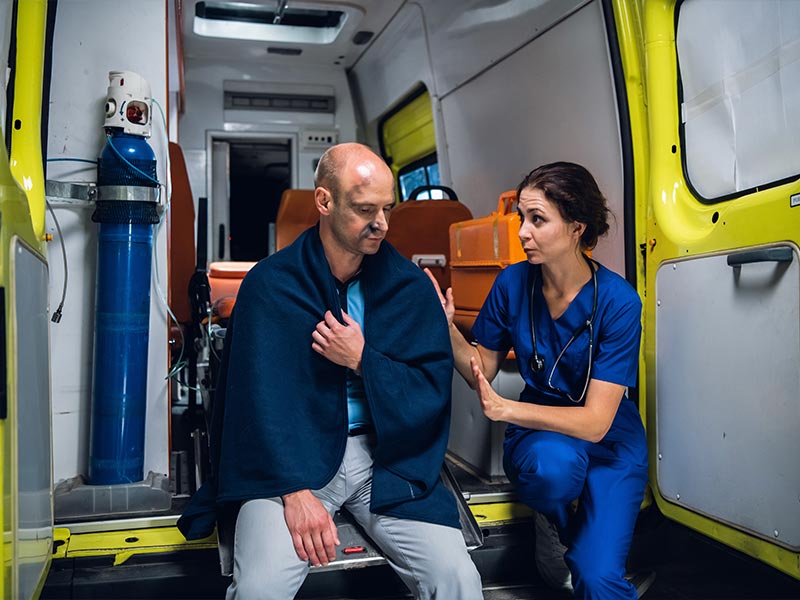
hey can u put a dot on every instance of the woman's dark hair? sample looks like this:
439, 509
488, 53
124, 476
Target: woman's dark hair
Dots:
574, 191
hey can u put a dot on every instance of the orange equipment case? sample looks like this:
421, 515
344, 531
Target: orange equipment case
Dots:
479, 250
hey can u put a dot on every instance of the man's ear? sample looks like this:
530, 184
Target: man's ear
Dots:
323, 200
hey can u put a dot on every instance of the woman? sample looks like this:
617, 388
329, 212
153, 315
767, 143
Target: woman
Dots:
574, 434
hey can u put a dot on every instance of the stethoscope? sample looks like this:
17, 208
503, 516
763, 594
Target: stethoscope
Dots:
537, 362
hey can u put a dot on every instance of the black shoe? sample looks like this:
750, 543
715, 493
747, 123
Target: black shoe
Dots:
549, 555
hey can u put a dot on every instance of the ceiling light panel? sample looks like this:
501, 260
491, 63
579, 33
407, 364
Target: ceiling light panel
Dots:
300, 23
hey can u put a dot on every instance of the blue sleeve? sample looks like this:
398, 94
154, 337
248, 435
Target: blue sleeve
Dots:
616, 357
492, 329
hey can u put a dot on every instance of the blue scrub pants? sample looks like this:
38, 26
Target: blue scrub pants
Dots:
550, 470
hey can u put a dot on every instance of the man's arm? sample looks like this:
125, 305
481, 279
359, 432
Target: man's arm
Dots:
313, 532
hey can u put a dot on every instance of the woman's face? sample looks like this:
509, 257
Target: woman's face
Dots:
546, 237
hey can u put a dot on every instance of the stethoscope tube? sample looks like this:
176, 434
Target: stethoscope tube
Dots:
537, 363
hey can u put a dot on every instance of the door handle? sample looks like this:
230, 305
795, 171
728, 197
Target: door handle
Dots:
779, 254
222, 242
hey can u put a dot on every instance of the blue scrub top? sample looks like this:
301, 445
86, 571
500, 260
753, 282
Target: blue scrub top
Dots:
504, 322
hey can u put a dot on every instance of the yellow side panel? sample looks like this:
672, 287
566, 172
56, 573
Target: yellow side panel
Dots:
16, 222
408, 135
630, 31
22, 217
26, 149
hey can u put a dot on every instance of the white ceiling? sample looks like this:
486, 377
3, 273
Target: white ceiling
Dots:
342, 53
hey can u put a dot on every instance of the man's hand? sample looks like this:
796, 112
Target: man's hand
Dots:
313, 533
448, 304
340, 344
494, 406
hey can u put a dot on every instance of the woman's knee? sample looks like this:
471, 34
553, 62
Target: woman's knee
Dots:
549, 470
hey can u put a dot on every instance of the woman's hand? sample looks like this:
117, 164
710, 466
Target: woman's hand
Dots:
448, 305
494, 406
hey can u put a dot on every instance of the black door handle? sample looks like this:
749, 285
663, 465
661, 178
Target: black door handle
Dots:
779, 254
222, 242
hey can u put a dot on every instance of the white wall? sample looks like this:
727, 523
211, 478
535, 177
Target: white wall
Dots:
205, 84
91, 39
513, 86
557, 103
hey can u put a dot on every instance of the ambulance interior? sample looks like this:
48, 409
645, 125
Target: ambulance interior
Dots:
462, 99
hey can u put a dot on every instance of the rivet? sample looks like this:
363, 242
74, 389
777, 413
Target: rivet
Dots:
659, 456
674, 267
677, 496
776, 533
658, 302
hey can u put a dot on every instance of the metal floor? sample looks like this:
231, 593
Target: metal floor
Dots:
687, 566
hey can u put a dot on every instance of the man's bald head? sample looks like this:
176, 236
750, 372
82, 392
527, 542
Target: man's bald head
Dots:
332, 170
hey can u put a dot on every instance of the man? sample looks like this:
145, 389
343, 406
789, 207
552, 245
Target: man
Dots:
336, 379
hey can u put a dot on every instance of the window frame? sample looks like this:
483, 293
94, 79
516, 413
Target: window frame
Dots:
423, 163
682, 140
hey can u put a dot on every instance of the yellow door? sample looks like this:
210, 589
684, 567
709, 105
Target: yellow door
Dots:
25, 413
714, 96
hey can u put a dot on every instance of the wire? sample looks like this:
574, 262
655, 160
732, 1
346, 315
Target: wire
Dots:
127, 162
56, 318
82, 160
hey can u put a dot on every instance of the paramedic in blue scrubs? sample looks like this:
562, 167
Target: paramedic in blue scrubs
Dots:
574, 434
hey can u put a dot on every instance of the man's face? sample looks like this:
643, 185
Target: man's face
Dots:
359, 216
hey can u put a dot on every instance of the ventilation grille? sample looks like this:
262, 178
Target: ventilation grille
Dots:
280, 102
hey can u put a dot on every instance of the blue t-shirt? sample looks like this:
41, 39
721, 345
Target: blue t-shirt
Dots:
358, 413
504, 322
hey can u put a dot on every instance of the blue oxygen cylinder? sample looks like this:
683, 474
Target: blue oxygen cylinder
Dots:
126, 210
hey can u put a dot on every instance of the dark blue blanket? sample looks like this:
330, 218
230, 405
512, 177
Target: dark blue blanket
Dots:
279, 423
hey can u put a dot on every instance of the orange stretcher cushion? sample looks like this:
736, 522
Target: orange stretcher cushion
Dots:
225, 277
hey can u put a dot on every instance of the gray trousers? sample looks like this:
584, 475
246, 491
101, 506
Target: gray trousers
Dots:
432, 560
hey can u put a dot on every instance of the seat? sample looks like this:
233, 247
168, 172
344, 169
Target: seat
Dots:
182, 253
188, 297
296, 213
187, 287
419, 230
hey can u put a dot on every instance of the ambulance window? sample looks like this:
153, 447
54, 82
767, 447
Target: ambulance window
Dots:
408, 143
419, 173
740, 104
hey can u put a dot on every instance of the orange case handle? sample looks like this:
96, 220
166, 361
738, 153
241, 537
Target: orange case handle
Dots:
506, 201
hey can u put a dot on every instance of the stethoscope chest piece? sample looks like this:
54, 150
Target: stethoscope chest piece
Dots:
537, 361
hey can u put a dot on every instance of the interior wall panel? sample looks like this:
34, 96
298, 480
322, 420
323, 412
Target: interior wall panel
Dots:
85, 50
557, 102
